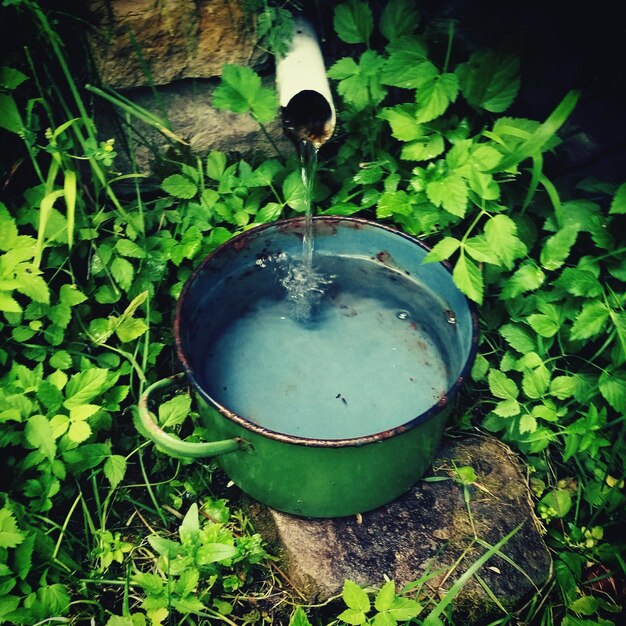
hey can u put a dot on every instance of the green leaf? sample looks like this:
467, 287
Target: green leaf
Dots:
559, 500
399, 18
34, 287
355, 597
527, 278
518, 338
359, 84
179, 186
174, 411
405, 608
38, 433
10, 78
353, 22
612, 386
70, 295
215, 164
10, 534
23, 556
215, 552
507, 408
238, 86
490, 80
557, 248
435, 96
408, 69
393, 203
501, 235
423, 149
404, 125
527, 424
501, 386
585, 605
384, 619
385, 596
579, 282
129, 248
85, 386
535, 382
590, 321
618, 203
299, 618
449, 192
10, 118
563, 387
130, 329
479, 249
543, 325
123, 272
79, 431
115, 469
468, 278
9, 304
352, 616
444, 249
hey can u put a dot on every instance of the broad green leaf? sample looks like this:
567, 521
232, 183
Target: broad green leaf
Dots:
384, 619
187, 582
238, 87
591, 320
444, 249
353, 22
115, 469
535, 382
501, 234
39, 434
23, 556
190, 526
130, 329
299, 618
579, 282
83, 411
527, 278
8, 229
385, 596
359, 84
423, 149
585, 605
501, 386
507, 408
559, 500
450, 193
85, 386
518, 338
399, 18
490, 80
479, 249
33, 286
618, 203
174, 412
129, 248
71, 295
355, 597
435, 96
393, 203
10, 118
353, 616
468, 278
542, 324
9, 304
404, 125
407, 70
405, 608
612, 386
484, 156
10, 78
215, 552
10, 534
55, 598
563, 387
79, 431
215, 164
179, 186
527, 424
557, 248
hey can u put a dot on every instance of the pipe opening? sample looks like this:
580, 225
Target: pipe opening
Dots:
308, 116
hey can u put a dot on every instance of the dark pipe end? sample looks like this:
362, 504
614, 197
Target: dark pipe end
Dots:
308, 116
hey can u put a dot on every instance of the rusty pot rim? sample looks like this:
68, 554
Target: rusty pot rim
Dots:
237, 242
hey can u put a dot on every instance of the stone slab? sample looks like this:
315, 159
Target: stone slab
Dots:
426, 531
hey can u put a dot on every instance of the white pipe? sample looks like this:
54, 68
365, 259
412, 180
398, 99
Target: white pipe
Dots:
303, 90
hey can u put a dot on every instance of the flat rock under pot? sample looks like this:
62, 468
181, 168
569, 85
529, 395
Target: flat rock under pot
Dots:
427, 530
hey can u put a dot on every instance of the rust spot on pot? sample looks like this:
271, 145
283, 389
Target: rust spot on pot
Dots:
383, 256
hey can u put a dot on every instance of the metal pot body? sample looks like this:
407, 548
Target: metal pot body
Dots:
309, 475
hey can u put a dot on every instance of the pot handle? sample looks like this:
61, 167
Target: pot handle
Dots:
146, 424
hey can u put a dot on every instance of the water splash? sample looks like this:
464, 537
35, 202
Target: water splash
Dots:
304, 285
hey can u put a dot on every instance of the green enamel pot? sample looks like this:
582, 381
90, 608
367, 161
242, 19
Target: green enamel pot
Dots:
336, 414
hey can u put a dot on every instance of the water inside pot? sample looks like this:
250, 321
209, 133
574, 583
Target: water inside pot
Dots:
379, 350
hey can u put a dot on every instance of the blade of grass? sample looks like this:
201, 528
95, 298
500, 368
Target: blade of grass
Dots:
432, 619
